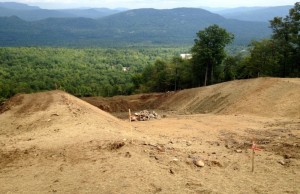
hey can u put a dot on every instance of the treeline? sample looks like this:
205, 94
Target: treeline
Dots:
82, 72
278, 56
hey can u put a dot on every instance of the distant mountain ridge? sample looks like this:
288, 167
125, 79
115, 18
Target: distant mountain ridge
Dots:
17, 6
34, 13
140, 26
262, 14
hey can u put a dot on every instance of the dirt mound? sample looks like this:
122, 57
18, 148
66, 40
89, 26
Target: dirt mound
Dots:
14, 101
268, 97
43, 110
28, 105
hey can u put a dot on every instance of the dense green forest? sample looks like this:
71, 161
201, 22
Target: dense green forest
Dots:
82, 72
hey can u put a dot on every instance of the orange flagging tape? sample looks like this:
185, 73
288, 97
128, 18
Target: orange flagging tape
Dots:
255, 148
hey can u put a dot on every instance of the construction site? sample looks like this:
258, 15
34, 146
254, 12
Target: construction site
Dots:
241, 136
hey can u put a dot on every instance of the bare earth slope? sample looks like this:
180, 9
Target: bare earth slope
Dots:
53, 135
54, 142
268, 97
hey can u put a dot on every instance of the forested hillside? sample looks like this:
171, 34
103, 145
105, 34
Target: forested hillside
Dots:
141, 26
82, 72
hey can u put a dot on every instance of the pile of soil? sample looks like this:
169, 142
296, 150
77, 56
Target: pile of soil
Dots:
268, 97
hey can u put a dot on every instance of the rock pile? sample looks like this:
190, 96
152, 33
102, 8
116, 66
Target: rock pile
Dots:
144, 115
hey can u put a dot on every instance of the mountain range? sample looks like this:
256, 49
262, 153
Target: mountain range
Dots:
33, 26
34, 13
262, 14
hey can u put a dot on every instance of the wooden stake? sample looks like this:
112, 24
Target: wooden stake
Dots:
253, 148
253, 153
129, 113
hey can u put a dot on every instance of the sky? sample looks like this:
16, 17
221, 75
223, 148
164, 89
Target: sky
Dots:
159, 4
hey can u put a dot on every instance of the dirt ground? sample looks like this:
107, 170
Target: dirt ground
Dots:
52, 142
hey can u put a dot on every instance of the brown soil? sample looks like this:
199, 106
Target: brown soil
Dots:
54, 142
267, 97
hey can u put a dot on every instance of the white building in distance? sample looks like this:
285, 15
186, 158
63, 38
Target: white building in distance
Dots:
186, 56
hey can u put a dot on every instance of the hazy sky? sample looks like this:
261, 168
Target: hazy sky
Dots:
160, 4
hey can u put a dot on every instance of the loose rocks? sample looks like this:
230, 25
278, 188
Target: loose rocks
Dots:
144, 115
198, 162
